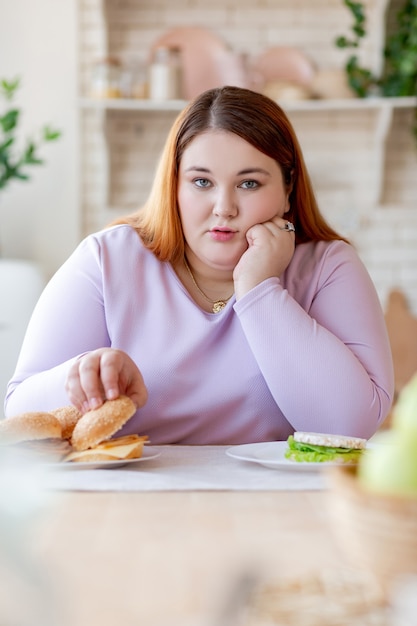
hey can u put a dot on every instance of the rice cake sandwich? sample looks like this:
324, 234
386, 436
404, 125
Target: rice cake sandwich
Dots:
304, 447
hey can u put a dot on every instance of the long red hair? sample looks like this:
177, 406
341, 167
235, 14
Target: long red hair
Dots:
258, 120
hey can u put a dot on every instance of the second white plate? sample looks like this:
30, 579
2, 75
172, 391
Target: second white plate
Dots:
272, 454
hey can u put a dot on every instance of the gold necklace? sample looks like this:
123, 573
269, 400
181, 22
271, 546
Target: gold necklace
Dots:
218, 305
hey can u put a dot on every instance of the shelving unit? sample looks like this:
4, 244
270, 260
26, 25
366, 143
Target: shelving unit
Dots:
360, 152
373, 116
348, 104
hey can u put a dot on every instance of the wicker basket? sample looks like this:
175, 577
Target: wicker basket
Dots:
377, 532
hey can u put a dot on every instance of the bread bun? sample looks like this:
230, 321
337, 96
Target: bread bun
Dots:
334, 441
68, 416
29, 426
100, 424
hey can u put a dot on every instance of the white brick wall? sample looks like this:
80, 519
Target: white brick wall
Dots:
120, 148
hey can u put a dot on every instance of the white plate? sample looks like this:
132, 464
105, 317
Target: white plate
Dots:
272, 454
147, 455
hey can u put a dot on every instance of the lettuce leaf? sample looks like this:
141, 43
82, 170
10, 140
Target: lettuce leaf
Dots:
311, 453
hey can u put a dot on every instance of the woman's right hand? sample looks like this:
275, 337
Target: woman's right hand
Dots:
104, 374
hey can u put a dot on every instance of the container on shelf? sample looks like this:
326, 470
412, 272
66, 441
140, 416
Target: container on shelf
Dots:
106, 78
165, 75
133, 81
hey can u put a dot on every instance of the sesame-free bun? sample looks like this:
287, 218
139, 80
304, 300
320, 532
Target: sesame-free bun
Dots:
100, 424
29, 426
334, 441
68, 416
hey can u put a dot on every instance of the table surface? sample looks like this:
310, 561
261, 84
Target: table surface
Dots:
168, 557
161, 558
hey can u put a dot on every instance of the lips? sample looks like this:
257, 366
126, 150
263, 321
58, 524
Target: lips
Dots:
223, 229
222, 233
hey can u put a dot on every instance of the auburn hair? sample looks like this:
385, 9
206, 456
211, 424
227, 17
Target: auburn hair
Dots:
258, 120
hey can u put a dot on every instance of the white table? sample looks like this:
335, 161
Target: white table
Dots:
178, 468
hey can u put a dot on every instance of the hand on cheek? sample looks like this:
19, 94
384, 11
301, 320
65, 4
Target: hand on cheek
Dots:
270, 250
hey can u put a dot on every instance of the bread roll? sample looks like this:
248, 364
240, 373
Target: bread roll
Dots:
100, 424
29, 426
68, 416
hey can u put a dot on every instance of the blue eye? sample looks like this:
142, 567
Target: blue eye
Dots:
201, 182
250, 184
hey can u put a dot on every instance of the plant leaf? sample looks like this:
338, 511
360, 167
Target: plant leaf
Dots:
50, 134
8, 88
9, 120
4, 147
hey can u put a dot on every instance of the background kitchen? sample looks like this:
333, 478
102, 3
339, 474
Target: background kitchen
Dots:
361, 152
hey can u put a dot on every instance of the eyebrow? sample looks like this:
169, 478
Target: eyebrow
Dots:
249, 170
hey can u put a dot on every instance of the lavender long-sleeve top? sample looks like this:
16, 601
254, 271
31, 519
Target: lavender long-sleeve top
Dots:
308, 351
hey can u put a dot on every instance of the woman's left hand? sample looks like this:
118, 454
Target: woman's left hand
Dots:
270, 250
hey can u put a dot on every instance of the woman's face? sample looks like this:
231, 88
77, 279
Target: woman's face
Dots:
225, 187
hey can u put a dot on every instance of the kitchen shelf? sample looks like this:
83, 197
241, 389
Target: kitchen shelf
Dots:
348, 104
360, 151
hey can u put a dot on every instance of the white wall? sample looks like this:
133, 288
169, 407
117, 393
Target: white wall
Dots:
40, 219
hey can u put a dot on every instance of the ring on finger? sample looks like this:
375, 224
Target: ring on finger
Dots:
289, 227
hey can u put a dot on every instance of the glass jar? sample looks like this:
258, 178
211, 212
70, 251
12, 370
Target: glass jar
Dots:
105, 80
165, 80
133, 81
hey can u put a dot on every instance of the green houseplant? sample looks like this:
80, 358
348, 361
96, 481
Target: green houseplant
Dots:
399, 75
14, 161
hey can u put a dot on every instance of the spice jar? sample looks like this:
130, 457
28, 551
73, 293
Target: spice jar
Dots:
105, 81
133, 81
165, 74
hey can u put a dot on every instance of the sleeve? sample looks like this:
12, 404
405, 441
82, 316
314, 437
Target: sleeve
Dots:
67, 321
329, 365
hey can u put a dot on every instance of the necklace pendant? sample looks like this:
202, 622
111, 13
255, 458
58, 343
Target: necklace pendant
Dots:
218, 306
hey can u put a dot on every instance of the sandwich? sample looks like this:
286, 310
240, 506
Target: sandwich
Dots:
306, 447
92, 437
67, 435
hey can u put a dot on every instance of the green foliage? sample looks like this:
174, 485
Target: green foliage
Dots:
400, 74
14, 161
399, 77
360, 79
358, 27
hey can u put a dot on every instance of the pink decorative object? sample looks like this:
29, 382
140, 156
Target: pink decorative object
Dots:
206, 60
284, 64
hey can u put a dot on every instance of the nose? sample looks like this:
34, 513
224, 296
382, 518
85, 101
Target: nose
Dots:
225, 205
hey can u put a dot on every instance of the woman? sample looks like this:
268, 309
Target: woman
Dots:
226, 308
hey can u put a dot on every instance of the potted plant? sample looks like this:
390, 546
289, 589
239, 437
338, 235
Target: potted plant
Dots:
399, 75
20, 281
13, 161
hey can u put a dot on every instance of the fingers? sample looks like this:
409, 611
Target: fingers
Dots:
83, 385
270, 250
101, 375
111, 366
278, 224
131, 383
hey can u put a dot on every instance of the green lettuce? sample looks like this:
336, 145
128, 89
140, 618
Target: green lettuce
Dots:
311, 453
